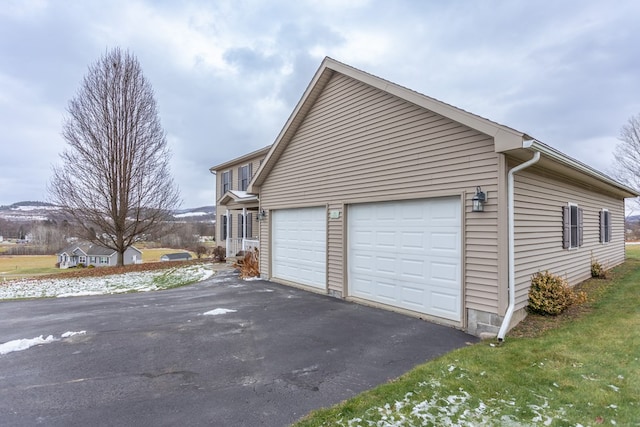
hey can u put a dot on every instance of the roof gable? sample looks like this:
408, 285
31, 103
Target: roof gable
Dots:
505, 138
238, 197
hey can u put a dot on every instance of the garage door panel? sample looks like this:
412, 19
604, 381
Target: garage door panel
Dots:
447, 272
447, 241
411, 257
299, 245
444, 303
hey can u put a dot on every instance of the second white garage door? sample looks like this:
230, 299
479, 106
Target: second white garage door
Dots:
407, 254
299, 245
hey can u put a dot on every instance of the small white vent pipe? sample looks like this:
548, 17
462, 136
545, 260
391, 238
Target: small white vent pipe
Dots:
511, 220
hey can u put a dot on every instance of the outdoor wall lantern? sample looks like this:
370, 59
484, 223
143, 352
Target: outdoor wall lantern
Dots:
478, 200
262, 215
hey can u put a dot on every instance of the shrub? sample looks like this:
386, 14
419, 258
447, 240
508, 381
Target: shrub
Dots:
598, 271
549, 294
219, 254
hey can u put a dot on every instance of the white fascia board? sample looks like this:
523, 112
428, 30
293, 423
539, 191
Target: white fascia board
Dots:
556, 155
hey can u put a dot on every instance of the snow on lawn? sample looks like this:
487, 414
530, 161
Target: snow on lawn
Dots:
457, 409
142, 281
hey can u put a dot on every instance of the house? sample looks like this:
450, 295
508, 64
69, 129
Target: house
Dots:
236, 210
178, 256
87, 254
378, 194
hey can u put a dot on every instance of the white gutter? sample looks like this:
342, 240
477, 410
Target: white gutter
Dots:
511, 220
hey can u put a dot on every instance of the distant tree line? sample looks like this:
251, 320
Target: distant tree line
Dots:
50, 236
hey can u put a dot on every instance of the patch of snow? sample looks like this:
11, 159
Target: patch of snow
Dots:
218, 311
458, 409
23, 344
251, 279
614, 388
114, 284
69, 334
35, 208
189, 214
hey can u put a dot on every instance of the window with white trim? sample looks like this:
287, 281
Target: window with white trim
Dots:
227, 177
244, 176
572, 221
605, 226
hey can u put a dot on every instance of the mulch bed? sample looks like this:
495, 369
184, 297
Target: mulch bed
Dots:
535, 324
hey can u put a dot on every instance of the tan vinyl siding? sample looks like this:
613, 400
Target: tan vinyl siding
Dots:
265, 245
335, 249
359, 144
539, 199
235, 185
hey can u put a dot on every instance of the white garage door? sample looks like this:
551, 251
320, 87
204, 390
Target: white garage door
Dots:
407, 254
299, 245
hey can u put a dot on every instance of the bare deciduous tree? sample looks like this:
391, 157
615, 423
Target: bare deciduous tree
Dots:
627, 159
627, 153
115, 179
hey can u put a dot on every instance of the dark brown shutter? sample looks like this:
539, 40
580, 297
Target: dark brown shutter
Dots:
566, 227
580, 226
224, 227
610, 227
602, 227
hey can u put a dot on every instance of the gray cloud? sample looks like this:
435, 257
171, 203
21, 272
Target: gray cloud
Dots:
228, 74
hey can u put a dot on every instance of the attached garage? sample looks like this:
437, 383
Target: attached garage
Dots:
407, 254
300, 246
395, 175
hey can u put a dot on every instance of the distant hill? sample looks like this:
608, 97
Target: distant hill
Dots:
201, 214
43, 211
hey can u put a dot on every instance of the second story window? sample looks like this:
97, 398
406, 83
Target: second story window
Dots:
244, 177
226, 181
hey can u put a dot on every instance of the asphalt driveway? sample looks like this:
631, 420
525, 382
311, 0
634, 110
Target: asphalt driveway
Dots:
265, 355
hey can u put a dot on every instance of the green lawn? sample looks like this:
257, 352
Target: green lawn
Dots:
18, 266
584, 372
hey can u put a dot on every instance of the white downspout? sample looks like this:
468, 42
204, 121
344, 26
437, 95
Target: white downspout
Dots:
511, 237
244, 227
228, 242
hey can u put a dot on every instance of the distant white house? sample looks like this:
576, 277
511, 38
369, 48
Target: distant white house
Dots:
87, 254
178, 256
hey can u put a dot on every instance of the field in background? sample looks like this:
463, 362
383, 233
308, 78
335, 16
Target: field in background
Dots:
22, 266
17, 266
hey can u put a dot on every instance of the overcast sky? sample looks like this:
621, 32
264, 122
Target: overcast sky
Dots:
227, 74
